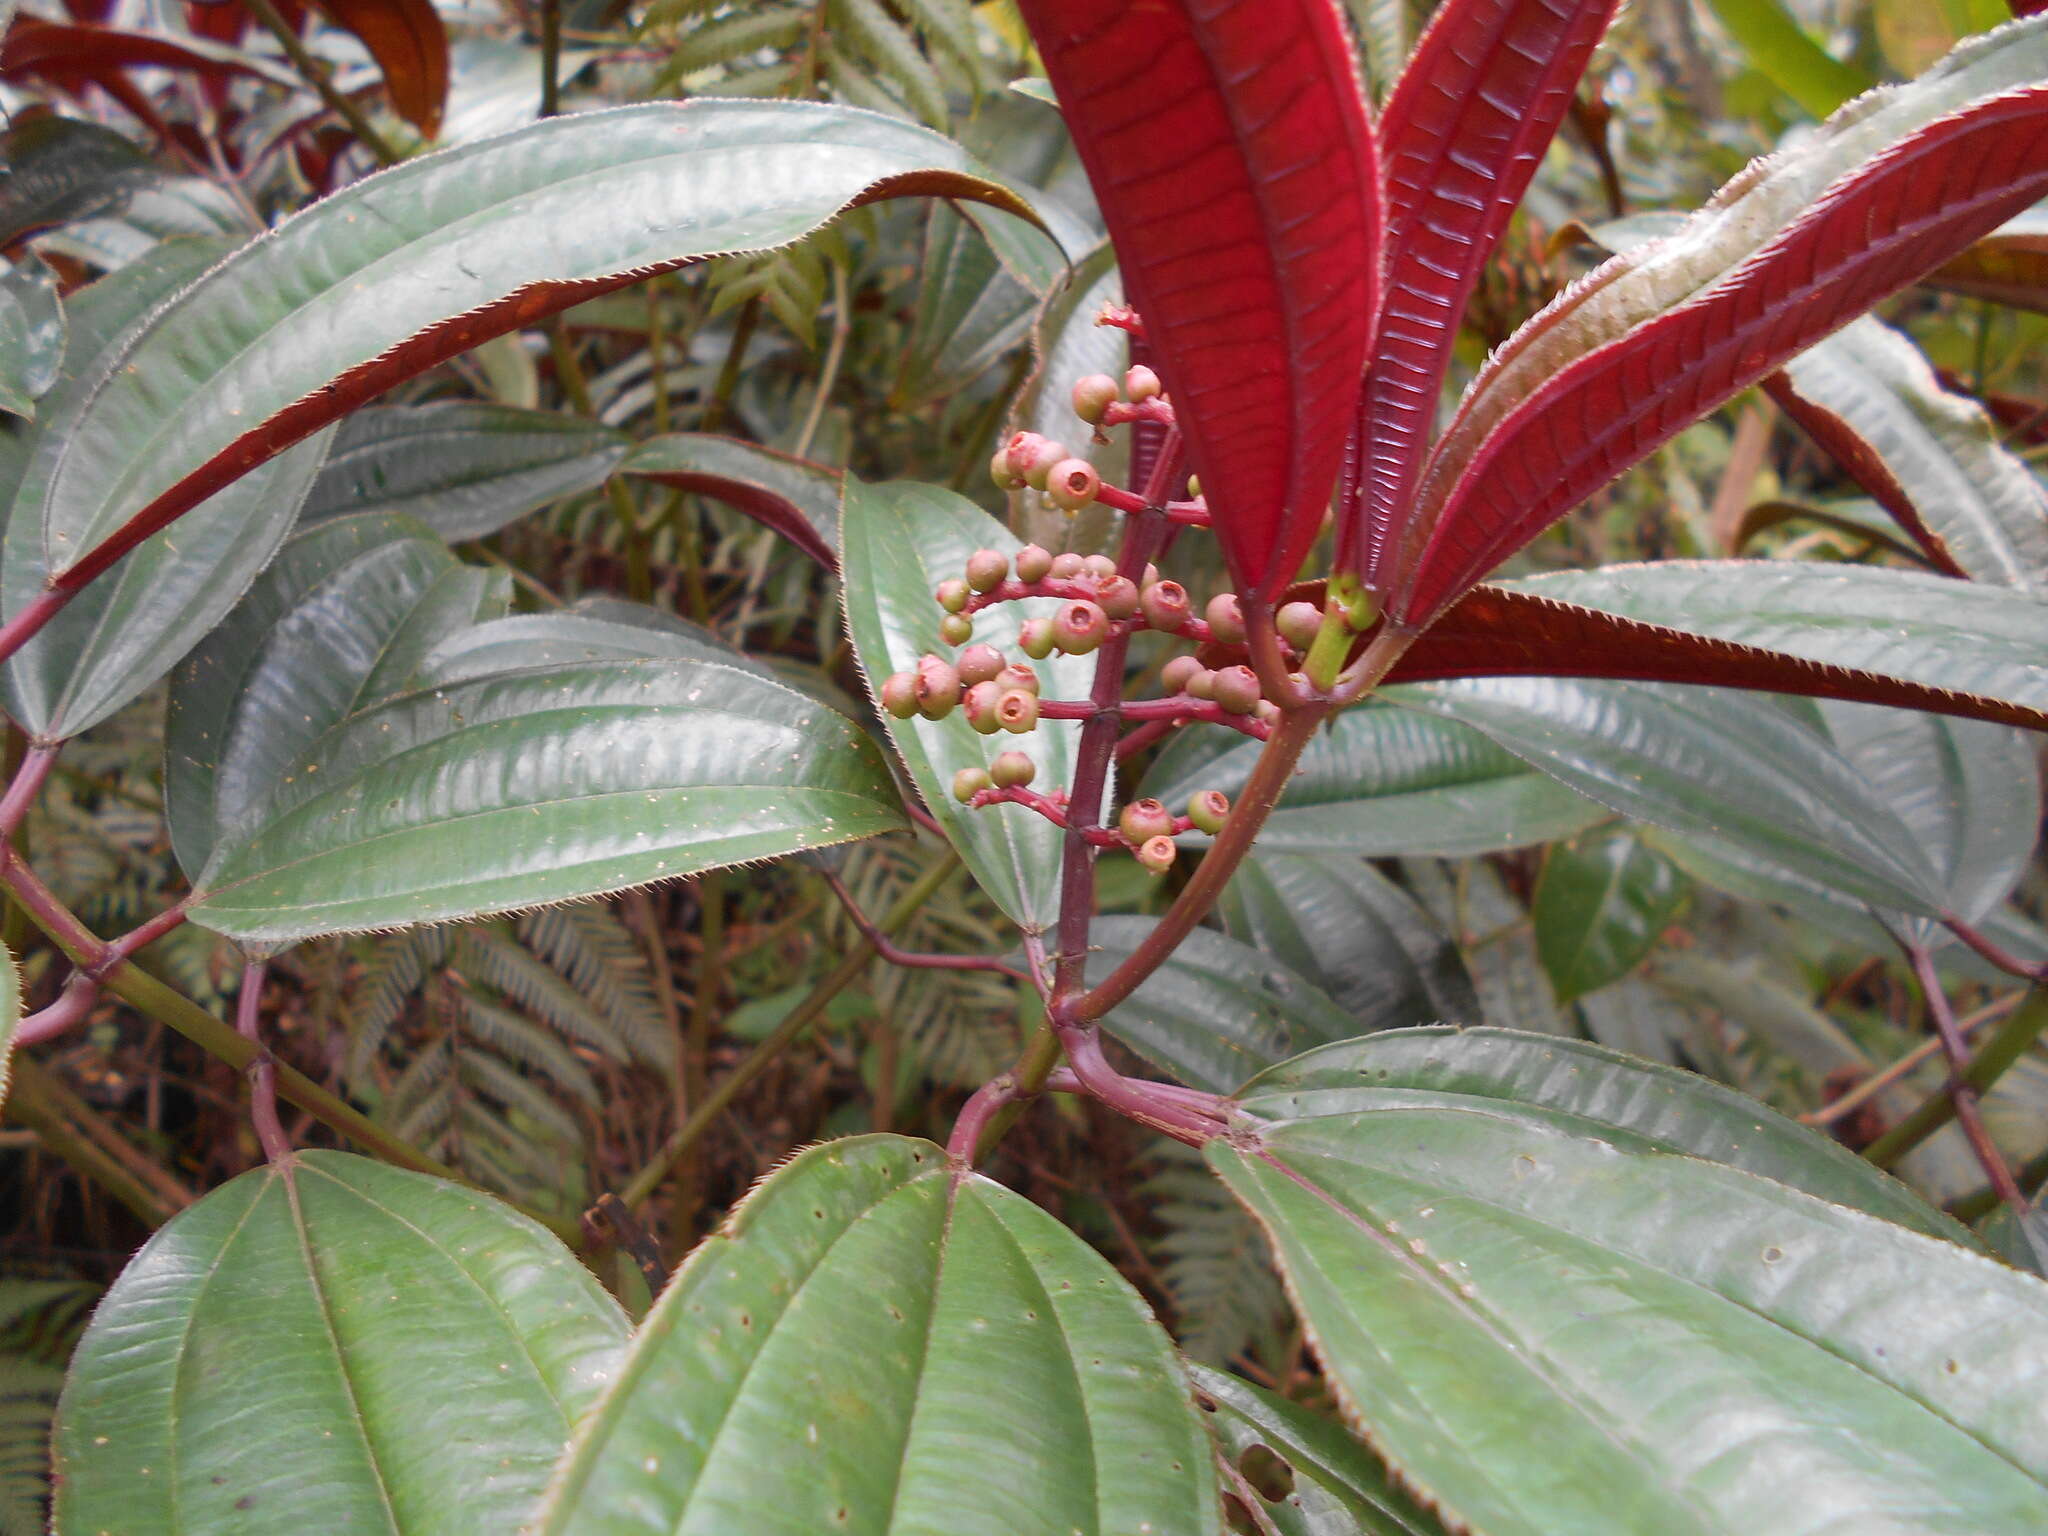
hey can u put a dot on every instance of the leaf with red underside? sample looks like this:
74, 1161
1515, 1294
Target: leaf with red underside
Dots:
1861, 633
798, 499
2008, 266
409, 267
1466, 128
1869, 236
1233, 160
410, 45
69, 54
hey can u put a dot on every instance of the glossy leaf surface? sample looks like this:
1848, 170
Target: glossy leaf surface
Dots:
590, 631
31, 337
338, 622
1217, 1011
597, 201
1756, 771
1829, 631
969, 312
1232, 158
64, 169
1778, 46
849, 1319
540, 786
1547, 1321
1601, 905
798, 499
1339, 1489
899, 541
129, 628
393, 1351
1931, 458
1787, 252
1354, 933
1382, 780
465, 468
1463, 133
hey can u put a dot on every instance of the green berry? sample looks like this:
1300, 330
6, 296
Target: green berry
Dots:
1200, 684
1013, 769
956, 629
1299, 623
899, 694
986, 569
1034, 638
1093, 395
1033, 563
953, 595
1143, 820
999, 470
1208, 809
969, 782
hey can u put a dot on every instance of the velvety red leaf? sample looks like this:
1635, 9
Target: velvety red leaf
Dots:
731, 472
1495, 632
1230, 151
1865, 237
1863, 464
410, 45
1463, 133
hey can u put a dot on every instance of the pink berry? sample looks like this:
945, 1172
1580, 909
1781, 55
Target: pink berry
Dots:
1079, 627
1166, 605
978, 663
1013, 769
1017, 711
1034, 638
978, 704
1098, 568
1066, 566
1237, 690
1033, 563
1143, 820
1073, 484
1157, 854
1173, 677
938, 688
1141, 383
1118, 597
1018, 676
986, 569
1094, 395
1226, 618
1299, 623
899, 694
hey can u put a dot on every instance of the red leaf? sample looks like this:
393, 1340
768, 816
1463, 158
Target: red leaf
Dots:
754, 494
1866, 236
410, 45
1466, 128
1230, 151
2004, 267
57, 49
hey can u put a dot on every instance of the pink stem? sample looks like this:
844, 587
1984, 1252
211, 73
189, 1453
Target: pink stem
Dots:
262, 1068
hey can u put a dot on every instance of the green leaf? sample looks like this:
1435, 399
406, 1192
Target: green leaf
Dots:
1068, 345
877, 1342
132, 625
798, 499
465, 468
899, 541
969, 313
62, 168
1546, 1319
1338, 1487
531, 640
541, 786
10, 1014
405, 268
1868, 394
31, 337
1383, 780
1794, 62
1354, 933
346, 605
1217, 1011
408, 1354
1602, 903
1743, 767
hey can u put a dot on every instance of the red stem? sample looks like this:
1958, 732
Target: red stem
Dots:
907, 958
2010, 963
262, 1068
1960, 1092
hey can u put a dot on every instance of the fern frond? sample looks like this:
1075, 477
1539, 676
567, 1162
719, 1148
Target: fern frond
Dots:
483, 1072
601, 959
517, 1038
489, 955
1212, 1260
396, 967
28, 1402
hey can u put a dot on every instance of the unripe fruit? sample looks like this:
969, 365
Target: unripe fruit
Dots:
1237, 690
978, 663
1017, 711
953, 595
1268, 712
1195, 487
1208, 809
1065, 567
978, 704
1013, 769
1226, 618
969, 782
1143, 820
1034, 457
1298, 624
1094, 395
1079, 627
956, 629
1166, 605
1072, 484
938, 688
1018, 677
986, 569
999, 470
1151, 575
1201, 684
1140, 383
1098, 568
1157, 854
1173, 677
1118, 597
1033, 563
899, 694
1034, 638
